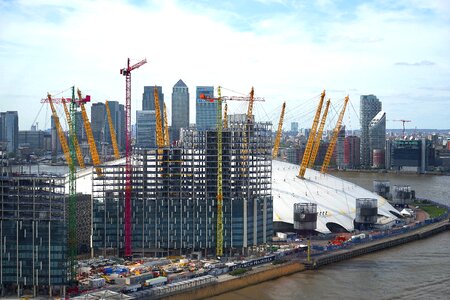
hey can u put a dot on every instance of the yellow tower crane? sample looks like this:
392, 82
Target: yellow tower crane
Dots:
311, 137
225, 116
330, 149
159, 131
112, 132
60, 131
166, 128
278, 137
315, 149
74, 136
90, 136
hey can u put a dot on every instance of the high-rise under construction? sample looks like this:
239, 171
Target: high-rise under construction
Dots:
174, 195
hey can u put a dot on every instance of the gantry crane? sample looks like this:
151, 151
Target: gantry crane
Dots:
278, 137
166, 128
112, 132
90, 136
73, 135
330, 149
311, 137
128, 170
315, 149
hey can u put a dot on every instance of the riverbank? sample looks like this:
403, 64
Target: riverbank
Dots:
228, 283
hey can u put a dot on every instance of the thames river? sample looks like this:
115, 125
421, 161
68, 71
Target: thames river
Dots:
418, 270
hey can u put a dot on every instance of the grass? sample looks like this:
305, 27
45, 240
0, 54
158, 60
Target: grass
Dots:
237, 272
433, 210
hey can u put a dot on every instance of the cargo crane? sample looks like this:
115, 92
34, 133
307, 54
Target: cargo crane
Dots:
220, 125
278, 137
128, 170
315, 149
311, 137
166, 128
330, 149
90, 136
403, 121
72, 134
112, 132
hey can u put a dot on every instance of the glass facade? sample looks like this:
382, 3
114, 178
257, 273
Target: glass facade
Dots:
180, 108
145, 129
370, 106
206, 111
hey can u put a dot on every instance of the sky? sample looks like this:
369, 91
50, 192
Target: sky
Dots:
287, 50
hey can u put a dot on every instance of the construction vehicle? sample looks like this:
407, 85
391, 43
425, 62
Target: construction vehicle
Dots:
330, 149
112, 132
278, 137
128, 170
318, 138
311, 138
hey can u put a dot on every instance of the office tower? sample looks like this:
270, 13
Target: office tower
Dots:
148, 98
340, 148
377, 140
370, 106
118, 121
79, 128
352, 152
294, 127
145, 129
206, 111
98, 122
33, 139
9, 130
180, 108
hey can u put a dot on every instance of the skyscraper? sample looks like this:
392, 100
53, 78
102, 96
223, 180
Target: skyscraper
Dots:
180, 108
340, 148
148, 98
352, 152
98, 122
145, 129
377, 140
118, 121
294, 127
206, 111
9, 130
370, 106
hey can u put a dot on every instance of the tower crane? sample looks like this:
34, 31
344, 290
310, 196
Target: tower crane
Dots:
225, 116
311, 137
166, 128
403, 121
278, 137
73, 136
112, 132
330, 149
128, 170
315, 149
90, 136
159, 129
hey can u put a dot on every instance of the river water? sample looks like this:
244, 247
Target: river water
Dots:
418, 270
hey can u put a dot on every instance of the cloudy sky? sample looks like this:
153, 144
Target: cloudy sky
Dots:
288, 50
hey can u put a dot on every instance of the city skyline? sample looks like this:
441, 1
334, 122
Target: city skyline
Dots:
289, 51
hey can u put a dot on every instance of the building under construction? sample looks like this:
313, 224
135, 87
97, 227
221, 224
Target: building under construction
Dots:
174, 195
33, 236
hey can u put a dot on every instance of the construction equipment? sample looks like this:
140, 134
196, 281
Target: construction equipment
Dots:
278, 137
219, 244
128, 170
112, 132
166, 128
330, 149
225, 116
159, 129
311, 137
403, 121
90, 136
315, 149
73, 136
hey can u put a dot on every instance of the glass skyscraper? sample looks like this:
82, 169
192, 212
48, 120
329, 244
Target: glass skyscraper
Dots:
145, 129
206, 111
370, 106
180, 108
9, 130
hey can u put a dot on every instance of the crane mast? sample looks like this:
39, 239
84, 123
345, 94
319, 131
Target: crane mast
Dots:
128, 170
159, 130
90, 136
315, 149
330, 149
166, 128
74, 139
112, 132
219, 245
278, 137
225, 116
311, 137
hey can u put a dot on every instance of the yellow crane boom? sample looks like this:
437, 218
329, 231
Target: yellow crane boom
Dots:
159, 132
112, 132
74, 136
60, 131
330, 149
315, 149
311, 137
225, 117
166, 128
278, 137
90, 136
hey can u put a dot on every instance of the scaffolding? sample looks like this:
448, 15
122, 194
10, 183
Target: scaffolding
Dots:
174, 195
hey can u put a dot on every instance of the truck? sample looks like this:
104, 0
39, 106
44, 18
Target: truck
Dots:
154, 282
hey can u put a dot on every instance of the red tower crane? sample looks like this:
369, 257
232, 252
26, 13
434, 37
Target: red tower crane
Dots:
128, 170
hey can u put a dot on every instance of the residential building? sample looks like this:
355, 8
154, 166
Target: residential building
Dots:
180, 108
370, 106
206, 111
340, 148
377, 140
352, 152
